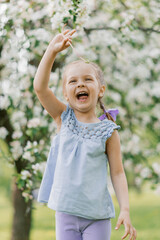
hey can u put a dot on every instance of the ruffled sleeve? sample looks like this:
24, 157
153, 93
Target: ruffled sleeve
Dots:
108, 129
112, 126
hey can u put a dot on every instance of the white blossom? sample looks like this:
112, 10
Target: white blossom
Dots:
25, 174
40, 34
35, 150
16, 134
155, 111
156, 168
27, 100
138, 181
154, 53
3, 132
39, 167
128, 164
28, 146
155, 89
27, 195
37, 110
33, 123
27, 155
115, 96
19, 117
138, 168
145, 172
41, 142
35, 143
16, 149
146, 118
29, 184
25, 83
4, 102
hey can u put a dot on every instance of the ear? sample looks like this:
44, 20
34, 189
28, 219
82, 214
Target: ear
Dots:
101, 91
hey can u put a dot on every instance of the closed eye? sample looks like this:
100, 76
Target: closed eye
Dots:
72, 81
88, 79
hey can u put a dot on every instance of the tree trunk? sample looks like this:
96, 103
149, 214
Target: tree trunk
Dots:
22, 215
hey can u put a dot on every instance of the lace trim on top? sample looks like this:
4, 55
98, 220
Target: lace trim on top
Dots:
103, 129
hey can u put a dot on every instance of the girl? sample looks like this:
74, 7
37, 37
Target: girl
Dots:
75, 179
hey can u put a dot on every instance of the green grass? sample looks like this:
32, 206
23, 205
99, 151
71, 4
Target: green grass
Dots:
144, 212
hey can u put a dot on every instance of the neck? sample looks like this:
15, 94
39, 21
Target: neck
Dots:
86, 117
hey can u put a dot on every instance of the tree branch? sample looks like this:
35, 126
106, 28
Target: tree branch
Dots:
123, 4
88, 30
148, 29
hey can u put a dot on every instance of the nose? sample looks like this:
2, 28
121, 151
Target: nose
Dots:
80, 84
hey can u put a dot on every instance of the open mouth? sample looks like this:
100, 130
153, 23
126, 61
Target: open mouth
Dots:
82, 96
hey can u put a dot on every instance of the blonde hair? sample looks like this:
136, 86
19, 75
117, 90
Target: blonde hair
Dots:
99, 76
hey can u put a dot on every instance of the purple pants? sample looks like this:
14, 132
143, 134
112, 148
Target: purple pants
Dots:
70, 227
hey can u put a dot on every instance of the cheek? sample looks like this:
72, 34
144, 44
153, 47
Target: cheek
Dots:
68, 91
94, 89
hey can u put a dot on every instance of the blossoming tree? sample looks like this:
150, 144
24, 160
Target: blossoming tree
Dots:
123, 38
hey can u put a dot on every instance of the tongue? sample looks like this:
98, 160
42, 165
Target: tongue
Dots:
83, 98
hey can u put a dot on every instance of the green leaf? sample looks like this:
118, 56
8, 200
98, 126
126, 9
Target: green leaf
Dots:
70, 11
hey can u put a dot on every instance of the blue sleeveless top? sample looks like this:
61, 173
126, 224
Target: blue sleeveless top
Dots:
75, 177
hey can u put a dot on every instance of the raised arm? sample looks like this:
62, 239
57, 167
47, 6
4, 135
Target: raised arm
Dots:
49, 101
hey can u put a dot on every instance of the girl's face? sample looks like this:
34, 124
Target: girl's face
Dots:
81, 87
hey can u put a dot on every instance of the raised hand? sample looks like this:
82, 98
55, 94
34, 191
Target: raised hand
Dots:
61, 41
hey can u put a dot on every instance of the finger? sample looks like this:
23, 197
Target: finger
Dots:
65, 40
69, 38
126, 232
135, 234
131, 234
118, 223
73, 31
65, 32
68, 43
69, 34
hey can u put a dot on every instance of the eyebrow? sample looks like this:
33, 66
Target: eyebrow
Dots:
87, 75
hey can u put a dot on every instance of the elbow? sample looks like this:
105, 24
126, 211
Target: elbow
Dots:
36, 88
39, 90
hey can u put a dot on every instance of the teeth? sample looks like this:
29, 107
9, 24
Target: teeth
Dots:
82, 93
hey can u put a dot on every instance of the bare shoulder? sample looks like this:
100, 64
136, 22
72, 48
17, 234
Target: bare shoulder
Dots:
114, 139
